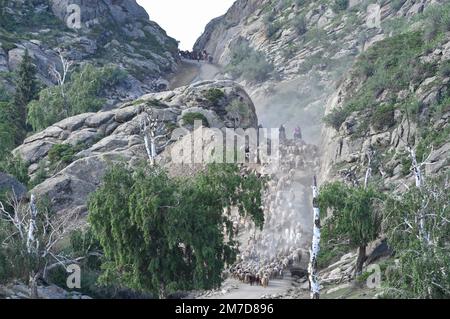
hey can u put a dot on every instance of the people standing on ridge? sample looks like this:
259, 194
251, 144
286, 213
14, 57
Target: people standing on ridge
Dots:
282, 134
196, 55
298, 133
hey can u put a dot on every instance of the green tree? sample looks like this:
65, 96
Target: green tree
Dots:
84, 92
356, 215
7, 129
26, 91
423, 268
162, 234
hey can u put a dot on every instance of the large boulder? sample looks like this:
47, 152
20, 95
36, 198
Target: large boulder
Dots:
115, 136
9, 184
120, 10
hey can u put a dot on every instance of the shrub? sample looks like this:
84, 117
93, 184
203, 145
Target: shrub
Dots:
190, 118
422, 267
340, 5
83, 93
290, 51
214, 95
40, 175
336, 118
61, 153
248, 63
299, 25
444, 69
383, 117
15, 166
397, 4
272, 29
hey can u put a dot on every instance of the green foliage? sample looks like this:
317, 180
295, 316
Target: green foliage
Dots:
300, 25
397, 4
437, 20
28, 17
4, 94
290, 51
332, 247
249, 63
16, 167
8, 131
383, 117
356, 215
340, 5
16, 263
163, 235
389, 66
431, 139
82, 243
190, 118
272, 29
83, 93
239, 111
40, 176
214, 95
422, 271
62, 154
336, 118
26, 91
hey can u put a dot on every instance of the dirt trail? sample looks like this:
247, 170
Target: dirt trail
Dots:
190, 71
238, 290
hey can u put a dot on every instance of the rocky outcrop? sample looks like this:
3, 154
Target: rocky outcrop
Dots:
110, 32
9, 184
345, 151
21, 291
115, 136
311, 45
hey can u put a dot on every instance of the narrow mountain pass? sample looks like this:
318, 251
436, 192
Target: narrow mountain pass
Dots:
191, 71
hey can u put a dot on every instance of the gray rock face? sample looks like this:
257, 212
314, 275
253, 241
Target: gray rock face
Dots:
11, 185
21, 291
307, 65
113, 136
347, 149
3, 61
112, 32
122, 10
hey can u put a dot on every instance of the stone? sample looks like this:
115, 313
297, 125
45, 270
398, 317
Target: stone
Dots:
117, 137
3, 61
126, 114
377, 250
99, 119
11, 185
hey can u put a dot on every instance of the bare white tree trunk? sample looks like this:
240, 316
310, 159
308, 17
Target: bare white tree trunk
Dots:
419, 183
60, 77
32, 225
315, 247
416, 168
39, 242
150, 128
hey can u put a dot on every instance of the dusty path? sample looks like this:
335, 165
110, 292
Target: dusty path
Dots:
238, 290
190, 71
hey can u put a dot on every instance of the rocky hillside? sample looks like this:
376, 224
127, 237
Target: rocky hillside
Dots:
68, 160
378, 114
303, 48
98, 32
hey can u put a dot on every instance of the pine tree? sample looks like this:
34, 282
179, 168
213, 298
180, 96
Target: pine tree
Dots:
26, 91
